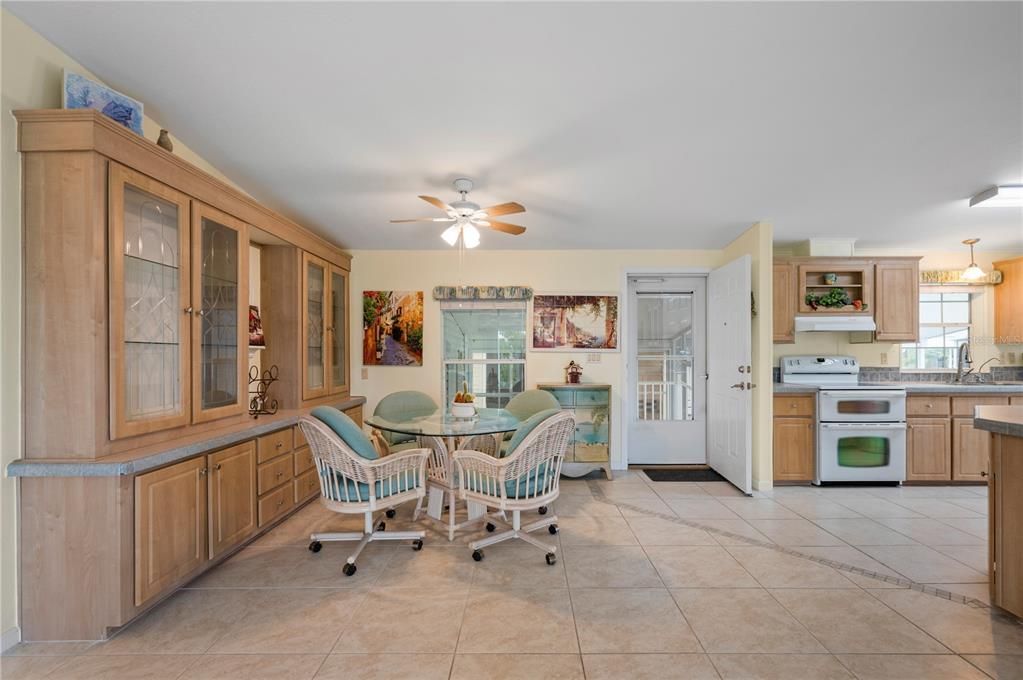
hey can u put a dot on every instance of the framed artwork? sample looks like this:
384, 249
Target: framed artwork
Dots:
392, 328
82, 93
573, 323
256, 338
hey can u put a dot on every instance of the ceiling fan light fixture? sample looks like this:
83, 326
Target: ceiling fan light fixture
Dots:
470, 236
1005, 196
450, 235
973, 272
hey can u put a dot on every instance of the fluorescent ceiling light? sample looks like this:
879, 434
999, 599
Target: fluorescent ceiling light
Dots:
1008, 196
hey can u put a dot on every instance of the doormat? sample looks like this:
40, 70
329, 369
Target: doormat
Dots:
683, 475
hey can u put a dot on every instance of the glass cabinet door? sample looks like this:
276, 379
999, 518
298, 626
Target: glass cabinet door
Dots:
337, 330
220, 305
150, 311
314, 317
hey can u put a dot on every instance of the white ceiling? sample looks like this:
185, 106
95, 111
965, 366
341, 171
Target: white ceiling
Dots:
617, 125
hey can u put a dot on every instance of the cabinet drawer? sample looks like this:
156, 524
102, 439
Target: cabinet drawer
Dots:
928, 405
794, 406
963, 406
1016, 401
591, 398
300, 438
307, 485
272, 445
274, 473
275, 504
303, 460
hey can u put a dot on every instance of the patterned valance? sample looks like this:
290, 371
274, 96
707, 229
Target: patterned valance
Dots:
482, 293
940, 277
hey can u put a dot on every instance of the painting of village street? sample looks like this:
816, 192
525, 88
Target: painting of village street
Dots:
575, 322
392, 328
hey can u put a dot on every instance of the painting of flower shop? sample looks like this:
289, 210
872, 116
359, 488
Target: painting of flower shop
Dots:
392, 328
573, 322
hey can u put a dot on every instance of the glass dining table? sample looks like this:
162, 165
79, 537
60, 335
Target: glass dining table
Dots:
445, 434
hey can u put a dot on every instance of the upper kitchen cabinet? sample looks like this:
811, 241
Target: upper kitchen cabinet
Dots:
785, 291
150, 305
897, 300
1009, 302
314, 324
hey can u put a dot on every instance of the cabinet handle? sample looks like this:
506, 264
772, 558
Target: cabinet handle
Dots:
202, 472
217, 466
983, 473
187, 310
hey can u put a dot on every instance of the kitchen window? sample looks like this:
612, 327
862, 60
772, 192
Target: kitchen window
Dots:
485, 348
944, 325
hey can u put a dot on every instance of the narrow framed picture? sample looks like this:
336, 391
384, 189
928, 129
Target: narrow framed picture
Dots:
575, 322
81, 93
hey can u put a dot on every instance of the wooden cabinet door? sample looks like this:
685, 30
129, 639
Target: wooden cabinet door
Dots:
170, 526
1009, 302
337, 331
793, 449
897, 301
220, 304
1006, 536
150, 305
784, 285
971, 451
315, 284
928, 449
232, 497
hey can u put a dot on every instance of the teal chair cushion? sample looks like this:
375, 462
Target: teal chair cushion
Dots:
403, 405
347, 429
520, 488
359, 492
528, 426
525, 404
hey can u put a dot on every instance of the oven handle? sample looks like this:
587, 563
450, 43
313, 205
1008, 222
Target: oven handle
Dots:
872, 394
863, 426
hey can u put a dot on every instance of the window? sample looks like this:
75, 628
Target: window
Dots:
944, 325
485, 348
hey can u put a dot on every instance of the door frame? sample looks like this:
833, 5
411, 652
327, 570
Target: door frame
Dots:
620, 458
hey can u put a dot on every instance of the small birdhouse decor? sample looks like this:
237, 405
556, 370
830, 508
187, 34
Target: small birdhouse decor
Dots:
573, 372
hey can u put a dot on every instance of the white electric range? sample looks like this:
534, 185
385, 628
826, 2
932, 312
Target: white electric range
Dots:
861, 427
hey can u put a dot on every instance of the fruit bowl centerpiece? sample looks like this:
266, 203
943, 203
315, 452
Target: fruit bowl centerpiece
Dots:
463, 405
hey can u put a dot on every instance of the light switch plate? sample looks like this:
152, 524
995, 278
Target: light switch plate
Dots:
884, 358
593, 358
365, 373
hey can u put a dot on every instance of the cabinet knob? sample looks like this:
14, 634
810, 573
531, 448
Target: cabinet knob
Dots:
279, 475
983, 473
278, 445
187, 310
217, 466
202, 472
930, 405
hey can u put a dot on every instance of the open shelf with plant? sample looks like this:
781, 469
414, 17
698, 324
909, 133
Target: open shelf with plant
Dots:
834, 288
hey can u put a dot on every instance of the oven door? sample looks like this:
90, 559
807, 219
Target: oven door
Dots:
861, 452
861, 406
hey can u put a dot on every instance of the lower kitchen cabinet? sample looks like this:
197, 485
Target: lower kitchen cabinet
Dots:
1006, 523
794, 447
170, 526
232, 474
971, 451
928, 449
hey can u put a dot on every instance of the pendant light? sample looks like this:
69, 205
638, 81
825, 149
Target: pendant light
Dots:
973, 272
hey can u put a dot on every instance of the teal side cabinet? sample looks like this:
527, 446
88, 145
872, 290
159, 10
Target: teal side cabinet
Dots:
590, 448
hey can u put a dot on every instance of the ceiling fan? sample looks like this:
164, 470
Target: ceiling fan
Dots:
467, 217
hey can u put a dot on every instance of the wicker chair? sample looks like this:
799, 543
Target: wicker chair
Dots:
524, 480
352, 482
442, 484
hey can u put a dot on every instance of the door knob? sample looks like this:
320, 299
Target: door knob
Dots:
742, 369
739, 386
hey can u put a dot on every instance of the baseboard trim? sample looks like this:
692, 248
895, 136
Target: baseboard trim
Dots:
9, 638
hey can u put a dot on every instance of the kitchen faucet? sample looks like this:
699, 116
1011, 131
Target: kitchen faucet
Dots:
964, 360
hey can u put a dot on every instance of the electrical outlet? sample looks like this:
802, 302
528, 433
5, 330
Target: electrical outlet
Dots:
1012, 359
884, 358
593, 358
365, 373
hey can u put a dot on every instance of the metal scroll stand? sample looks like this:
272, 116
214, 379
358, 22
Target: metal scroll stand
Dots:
260, 403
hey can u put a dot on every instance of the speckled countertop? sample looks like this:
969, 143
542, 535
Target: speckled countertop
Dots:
1007, 420
127, 463
921, 388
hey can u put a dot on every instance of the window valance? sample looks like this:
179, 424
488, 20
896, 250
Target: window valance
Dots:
482, 293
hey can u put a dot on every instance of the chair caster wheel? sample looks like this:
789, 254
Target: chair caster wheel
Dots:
477, 555
315, 546
542, 510
381, 526
551, 558
491, 526
348, 569
417, 544
390, 513
553, 529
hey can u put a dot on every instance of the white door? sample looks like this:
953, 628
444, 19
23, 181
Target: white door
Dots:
729, 403
667, 389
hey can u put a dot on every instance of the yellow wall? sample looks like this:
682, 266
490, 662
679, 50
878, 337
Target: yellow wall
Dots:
31, 78
887, 354
756, 242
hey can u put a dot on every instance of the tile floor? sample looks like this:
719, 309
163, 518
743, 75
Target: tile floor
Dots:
634, 594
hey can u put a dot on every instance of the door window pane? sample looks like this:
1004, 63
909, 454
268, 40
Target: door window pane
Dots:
664, 356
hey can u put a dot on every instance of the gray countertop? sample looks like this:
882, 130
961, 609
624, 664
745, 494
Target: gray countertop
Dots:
921, 388
1007, 420
124, 464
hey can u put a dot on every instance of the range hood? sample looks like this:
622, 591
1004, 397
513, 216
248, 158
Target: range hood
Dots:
835, 323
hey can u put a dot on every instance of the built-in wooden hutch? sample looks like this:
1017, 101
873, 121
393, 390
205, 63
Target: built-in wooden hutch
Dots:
142, 466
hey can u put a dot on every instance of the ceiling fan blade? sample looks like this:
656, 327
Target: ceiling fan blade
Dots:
512, 229
426, 219
509, 208
437, 203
